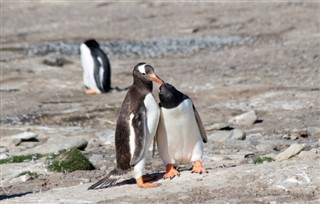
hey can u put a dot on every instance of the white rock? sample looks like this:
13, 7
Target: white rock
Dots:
313, 131
246, 119
23, 136
56, 144
3, 149
106, 136
289, 152
3, 155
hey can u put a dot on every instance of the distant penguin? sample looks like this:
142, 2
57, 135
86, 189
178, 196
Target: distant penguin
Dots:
180, 135
135, 130
96, 68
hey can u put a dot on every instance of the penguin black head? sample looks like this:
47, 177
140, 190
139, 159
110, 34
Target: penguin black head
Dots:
92, 43
169, 96
145, 73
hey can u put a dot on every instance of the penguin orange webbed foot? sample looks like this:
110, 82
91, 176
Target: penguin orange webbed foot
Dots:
90, 91
142, 184
171, 172
198, 168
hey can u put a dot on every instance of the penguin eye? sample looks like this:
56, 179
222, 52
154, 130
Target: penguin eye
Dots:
143, 73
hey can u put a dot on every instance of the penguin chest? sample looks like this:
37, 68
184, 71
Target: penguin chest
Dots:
152, 113
178, 134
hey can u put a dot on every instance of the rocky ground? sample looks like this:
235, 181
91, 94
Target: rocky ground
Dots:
252, 70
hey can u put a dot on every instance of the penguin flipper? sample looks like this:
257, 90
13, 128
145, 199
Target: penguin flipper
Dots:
139, 123
200, 125
108, 181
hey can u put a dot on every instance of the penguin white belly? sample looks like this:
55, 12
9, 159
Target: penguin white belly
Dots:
153, 115
178, 136
88, 68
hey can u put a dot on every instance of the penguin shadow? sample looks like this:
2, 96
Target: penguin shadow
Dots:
188, 168
153, 178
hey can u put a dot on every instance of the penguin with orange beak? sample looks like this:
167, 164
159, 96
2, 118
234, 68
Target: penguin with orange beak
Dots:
135, 130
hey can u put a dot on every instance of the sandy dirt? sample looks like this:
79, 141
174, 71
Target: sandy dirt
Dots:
277, 74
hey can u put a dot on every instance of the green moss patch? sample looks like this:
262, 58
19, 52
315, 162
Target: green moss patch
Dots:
19, 159
260, 160
32, 174
68, 161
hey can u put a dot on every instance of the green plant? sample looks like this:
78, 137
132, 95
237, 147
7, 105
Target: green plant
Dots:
260, 160
21, 158
68, 161
32, 174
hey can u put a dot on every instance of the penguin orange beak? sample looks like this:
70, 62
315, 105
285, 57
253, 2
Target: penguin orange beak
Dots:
155, 78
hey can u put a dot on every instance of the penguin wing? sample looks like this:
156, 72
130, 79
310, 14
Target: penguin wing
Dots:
200, 125
105, 71
139, 123
98, 69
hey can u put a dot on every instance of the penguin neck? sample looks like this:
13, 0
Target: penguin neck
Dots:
143, 84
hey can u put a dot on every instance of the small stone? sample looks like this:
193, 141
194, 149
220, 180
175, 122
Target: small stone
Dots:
313, 132
265, 147
238, 134
218, 126
56, 61
294, 137
289, 152
220, 136
247, 119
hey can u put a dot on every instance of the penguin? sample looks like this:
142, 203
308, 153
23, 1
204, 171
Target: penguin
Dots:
96, 68
180, 134
135, 129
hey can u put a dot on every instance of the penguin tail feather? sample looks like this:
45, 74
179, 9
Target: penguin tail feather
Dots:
108, 181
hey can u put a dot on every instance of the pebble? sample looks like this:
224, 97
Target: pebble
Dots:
246, 119
56, 144
289, 152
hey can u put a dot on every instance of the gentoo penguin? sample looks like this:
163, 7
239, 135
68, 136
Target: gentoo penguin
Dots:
135, 130
180, 135
96, 68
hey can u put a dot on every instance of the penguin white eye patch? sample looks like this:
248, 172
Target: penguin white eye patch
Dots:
142, 69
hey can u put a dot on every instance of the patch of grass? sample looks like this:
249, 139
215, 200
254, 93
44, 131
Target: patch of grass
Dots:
32, 174
68, 161
19, 159
260, 160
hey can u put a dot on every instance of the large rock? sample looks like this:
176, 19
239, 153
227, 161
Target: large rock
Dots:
246, 119
289, 152
56, 144
220, 136
218, 126
9, 142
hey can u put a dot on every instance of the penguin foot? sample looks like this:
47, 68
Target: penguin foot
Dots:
90, 91
171, 172
198, 168
142, 184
